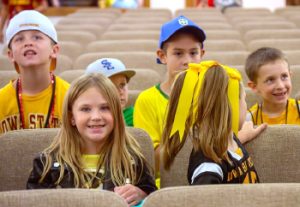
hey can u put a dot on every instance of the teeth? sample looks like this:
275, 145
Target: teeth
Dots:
96, 126
30, 52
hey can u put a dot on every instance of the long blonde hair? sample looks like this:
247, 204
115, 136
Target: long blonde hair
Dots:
118, 152
213, 118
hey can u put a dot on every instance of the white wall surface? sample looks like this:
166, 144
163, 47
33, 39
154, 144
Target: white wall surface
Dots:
271, 4
173, 5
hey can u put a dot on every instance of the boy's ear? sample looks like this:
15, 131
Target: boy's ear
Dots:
10, 55
161, 56
202, 53
252, 85
55, 51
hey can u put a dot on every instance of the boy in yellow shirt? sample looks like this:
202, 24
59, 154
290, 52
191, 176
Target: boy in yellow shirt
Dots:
35, 98
270, 78
180, 43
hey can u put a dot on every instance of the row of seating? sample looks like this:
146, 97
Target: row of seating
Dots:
258, 195
273, 162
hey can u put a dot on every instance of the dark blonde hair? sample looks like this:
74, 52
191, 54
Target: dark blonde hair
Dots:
119, 151
261, 57
213, 120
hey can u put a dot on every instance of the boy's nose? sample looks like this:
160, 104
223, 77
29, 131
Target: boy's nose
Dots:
28, 42
280, 84
187, 60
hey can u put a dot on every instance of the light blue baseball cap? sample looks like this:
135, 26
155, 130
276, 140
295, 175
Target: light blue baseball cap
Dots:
109, 67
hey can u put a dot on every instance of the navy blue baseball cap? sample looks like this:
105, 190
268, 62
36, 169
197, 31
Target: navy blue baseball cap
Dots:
170, 28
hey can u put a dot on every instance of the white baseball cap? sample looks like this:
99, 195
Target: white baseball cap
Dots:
109, 67
30, 20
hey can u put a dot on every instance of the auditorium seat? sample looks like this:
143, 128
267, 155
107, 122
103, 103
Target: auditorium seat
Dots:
6, 76
122, 46
61, 197
130, 59
264, 150
21, 146
257, 195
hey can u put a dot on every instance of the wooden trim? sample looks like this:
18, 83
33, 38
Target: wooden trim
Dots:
147, 3
190, 3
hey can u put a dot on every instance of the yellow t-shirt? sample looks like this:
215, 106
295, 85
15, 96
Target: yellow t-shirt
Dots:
35, 107
90, 165
291, 116
149, 112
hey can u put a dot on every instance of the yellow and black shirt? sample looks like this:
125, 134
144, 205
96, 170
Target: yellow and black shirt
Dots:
289, 116
202, 170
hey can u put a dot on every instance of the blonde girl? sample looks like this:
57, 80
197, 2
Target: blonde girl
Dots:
93, 148
210, 110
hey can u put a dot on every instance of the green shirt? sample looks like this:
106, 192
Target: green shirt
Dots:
128, 115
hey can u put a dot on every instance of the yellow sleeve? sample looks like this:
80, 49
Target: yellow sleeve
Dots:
147, 116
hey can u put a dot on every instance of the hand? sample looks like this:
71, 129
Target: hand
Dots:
248, 132
132, 194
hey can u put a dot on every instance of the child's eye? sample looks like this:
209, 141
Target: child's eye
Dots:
284, 77
85, 109
269, 81
37, 37
18, 39
177, 53
194, 53
122, 85
104, 108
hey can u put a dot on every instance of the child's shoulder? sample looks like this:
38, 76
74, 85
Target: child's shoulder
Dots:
8, 87
150, 93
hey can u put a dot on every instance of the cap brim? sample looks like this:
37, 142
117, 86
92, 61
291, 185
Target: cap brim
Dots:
128, 73
199, 33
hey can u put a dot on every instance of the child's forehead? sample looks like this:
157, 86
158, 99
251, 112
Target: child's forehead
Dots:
273, 68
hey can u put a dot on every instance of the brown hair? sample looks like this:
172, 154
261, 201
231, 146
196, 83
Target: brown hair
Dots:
261, 57
213, 119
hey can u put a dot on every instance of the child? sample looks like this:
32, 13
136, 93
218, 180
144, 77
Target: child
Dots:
93, 148
180, 43
11, 8
210, 110
116, 71
35, 99
270, 78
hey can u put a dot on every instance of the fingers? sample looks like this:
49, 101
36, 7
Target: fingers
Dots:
249, 132
259, 129
132, 194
